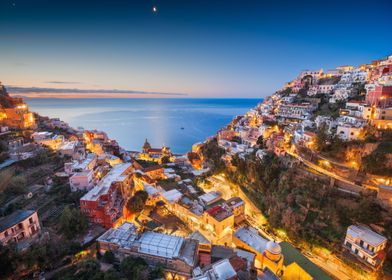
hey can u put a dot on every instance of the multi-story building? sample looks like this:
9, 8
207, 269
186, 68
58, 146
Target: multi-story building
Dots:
380, 96
104, 203
21, 225
219, 220
83, 180
237, 206
178, 255
349, 132
367, 245
300, 111
382, 118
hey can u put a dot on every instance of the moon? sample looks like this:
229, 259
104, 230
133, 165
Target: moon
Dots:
154, 9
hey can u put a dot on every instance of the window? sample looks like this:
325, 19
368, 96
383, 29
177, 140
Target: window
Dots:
31, 220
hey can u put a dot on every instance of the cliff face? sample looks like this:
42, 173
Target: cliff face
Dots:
5, 100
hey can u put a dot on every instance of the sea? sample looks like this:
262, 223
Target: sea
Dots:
176, 123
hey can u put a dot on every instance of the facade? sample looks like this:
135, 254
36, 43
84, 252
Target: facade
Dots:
178, 255
219, 220
295, 111
21, 225
380, 96
104, 203
82, 181
365, 244
348, 132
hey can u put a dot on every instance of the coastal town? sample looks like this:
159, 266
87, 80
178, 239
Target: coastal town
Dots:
299, 187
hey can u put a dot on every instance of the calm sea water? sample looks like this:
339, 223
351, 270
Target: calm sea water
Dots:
130, 121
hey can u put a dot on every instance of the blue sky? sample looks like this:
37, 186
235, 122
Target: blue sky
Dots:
197, 48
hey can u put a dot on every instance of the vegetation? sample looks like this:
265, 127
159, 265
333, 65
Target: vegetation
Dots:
137, 202
305, 206
212, 154
377, 162
329, 109
108, 257
73, 222
130, 268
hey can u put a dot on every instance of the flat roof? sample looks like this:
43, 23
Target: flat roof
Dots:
234, 201
210, 196
224, 270
14, 218
366, 234
114, 175
250, 237
83, 165
159, 244
172, 195
219, 213
69, 145
124, 236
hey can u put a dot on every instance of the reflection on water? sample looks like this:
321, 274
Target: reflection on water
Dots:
130, 121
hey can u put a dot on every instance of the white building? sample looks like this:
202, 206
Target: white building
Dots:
365, 244
82, 181
348, 132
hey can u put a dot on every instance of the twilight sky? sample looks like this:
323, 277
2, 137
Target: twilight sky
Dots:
200, 48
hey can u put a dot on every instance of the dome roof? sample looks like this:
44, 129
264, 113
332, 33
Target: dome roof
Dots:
273, 248
146, 145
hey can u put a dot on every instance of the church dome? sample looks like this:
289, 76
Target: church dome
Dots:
146, 146
273, 248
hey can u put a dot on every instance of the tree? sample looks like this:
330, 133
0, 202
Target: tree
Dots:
6, 261
109, 257
134, 268
73, 222
165, 159
89, 269
157, 272
136, 203
112, 274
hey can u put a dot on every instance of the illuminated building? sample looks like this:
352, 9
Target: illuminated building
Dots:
365, 244
155, 154
268, 253
219, 220
104, 203
178, 255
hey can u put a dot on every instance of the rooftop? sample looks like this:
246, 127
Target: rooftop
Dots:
219, 213
172, 195
223, 270
14, 218
83, 165
250, 237
235, 202
115, 175
152, 243
69, 145
124, 236
210, 197
292, 255
159, 244
366, 234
